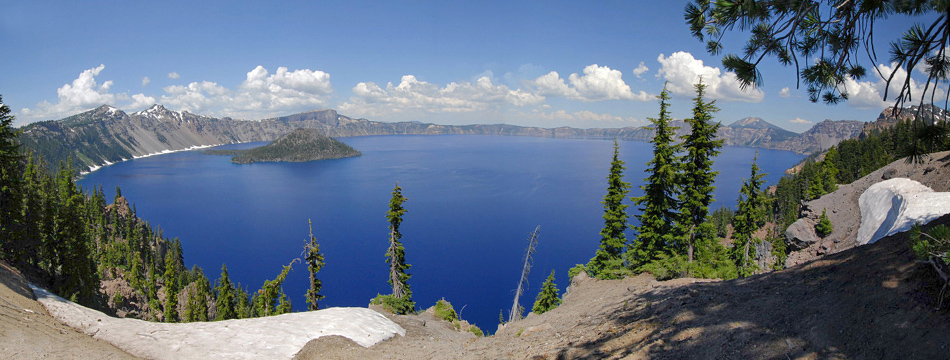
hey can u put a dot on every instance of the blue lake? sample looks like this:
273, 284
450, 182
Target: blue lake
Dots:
472, 203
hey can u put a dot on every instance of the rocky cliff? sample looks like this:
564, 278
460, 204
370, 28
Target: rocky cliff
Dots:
107, 135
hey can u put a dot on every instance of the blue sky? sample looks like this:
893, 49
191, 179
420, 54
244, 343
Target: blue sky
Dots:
551, 63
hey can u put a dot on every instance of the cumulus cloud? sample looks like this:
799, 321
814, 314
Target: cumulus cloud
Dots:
682, 71
870, 94
173, 75
82, 94
800, 121
597, 83
414, 95
785, 92
640, 69
260, 94
145, 81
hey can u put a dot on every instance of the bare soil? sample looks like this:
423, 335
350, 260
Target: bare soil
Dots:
869, 302
28, 332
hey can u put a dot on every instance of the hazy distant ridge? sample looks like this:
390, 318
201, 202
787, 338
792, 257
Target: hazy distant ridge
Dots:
108, 135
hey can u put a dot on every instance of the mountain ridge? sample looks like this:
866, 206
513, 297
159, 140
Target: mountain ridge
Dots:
107, 135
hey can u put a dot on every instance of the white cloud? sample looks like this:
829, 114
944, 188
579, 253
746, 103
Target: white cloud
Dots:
640, 69
682, 71
870, 94
800, 121
145, 81
261, 94
140, 101
785, 92
414, 95
173, 75
82, 94
597, 83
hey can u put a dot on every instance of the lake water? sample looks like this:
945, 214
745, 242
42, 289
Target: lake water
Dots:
472, 203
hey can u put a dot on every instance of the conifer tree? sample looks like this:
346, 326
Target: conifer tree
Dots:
823, 228
658, 203
10, 186
547, 299
697, 178
396, 254
242, 303
225, 301
608, 261
314, 263
171, 279
751, 215
265, 303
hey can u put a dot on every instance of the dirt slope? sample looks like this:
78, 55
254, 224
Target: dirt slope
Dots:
870, 302
28, 332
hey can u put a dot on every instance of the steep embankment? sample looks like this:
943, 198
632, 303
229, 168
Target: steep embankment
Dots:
871, 302
28, 332
844, 212
107, 135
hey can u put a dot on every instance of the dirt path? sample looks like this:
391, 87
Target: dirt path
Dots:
28, 332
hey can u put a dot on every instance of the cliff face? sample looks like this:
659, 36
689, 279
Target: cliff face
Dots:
106, 135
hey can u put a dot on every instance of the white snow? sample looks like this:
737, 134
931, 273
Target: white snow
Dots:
271, 337
894, 205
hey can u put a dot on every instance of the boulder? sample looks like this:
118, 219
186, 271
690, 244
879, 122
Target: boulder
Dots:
801, 234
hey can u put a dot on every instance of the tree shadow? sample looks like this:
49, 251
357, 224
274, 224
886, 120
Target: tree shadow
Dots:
873, 301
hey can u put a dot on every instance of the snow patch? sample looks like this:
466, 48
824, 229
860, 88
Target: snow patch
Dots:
163, 152
271, 337
893, 206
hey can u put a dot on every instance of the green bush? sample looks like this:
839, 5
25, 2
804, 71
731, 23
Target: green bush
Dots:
667, 267
395, 305
572, 272
823, 228
475, 330
444, 310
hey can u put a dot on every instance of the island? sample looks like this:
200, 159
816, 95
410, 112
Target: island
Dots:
298, 146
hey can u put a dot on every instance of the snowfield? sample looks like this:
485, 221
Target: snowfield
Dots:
894, 205
271, 337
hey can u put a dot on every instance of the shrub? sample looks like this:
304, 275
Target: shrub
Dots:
667, 267
475, 330
444, 310
395, 305
572, 272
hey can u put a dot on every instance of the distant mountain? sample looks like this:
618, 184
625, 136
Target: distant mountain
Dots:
298, 146
107, 135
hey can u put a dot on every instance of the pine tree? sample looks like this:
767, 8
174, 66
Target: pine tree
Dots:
823, 228
171, 280
751, 215
697, 179
265, 303
11, 167
547, 299
225, 301
396, 256
608, 261
658, 203
314, 264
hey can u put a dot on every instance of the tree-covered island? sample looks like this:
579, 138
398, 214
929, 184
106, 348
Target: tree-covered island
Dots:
298, 146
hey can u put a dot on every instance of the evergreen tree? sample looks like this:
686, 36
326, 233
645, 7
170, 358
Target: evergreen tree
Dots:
170, 278
751, 215
401, 299
265, 303
11, 167
697, 178
225, 298
608, 262
547, 299
242, 304
823, 228
314, 264
658, 203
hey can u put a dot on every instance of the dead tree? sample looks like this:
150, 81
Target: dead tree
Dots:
515, 313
